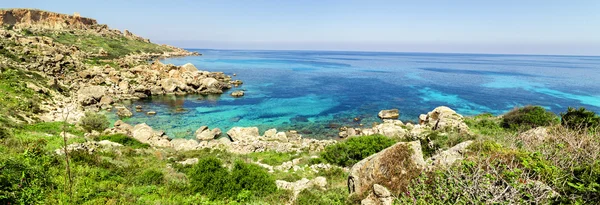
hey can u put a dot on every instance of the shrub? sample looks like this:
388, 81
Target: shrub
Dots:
4, 132
23, 180
94, 121
252, 178
486, 124
579, 118
528, 117
210, 178
124, 140
319, 197
354, 149
149, 177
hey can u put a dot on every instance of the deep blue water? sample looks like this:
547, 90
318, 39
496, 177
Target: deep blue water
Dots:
316, 91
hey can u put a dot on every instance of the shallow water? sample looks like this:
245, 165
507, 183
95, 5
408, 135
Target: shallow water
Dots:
316, 91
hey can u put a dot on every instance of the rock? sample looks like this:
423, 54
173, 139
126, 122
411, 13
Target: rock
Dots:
446, 158
189, 67
379, 196
90, 147
123, 112
389, 114
151, 113
237, 93
123, 128
300, 185
391, 128
146, 134
190, 161
106, 100
206, 134
184, 144
403, 160
90, 95
67, 135
243, 133
534, 136
443, 118
270, 133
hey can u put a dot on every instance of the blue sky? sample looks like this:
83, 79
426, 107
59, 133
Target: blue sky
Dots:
464, 26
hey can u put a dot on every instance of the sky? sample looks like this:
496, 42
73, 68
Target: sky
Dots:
454, 26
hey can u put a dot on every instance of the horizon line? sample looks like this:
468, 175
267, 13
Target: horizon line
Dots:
398, 52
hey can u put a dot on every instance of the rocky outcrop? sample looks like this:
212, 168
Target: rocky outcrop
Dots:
145, 134
389, 114
379, 196
300, 185
243, 134
90, 147
391, 167
123, 112
203, 133
45, 19
448, 157
444, 118
91, 94
237, 93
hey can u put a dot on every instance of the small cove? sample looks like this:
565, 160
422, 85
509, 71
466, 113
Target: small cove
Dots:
315, 92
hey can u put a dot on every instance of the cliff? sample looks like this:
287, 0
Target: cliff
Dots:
45, 19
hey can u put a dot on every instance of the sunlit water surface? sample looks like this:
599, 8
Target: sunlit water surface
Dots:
315, 92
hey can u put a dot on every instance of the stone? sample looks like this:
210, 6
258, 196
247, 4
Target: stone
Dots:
400, 161
123, 112
206, 134
181, 144
67, 135
243, 133
270, 133
106, 100
448, 157
90, 95
151, 113
300, 185
146, 134
188, 67
381, 191
389, 114
237, 93
443, 118
190, 161
534, 136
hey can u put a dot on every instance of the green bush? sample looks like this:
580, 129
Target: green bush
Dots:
150, 177
486, 124
23, 180
528, 117
211, 179
252, 178
354, 149
124, 140
94, 121
579, 118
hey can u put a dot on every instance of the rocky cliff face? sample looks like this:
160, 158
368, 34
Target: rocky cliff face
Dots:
45, 19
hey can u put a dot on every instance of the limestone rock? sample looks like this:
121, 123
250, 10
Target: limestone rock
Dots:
124, 112
448, 157
90, 95
146, 134
442, 118
237, 93
243, 133
203, 133
300, 185
389, 114
184, 144
190, 161
402, 160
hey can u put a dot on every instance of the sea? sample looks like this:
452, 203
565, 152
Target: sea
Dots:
317, 92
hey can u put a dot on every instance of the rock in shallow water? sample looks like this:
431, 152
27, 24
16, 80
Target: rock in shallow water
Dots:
389, 114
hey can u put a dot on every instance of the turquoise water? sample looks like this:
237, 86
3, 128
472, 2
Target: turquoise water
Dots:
315, 92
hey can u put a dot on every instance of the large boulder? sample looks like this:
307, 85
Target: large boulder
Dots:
391, 167
184, 144
90, 95
203, 133
300, 185
243, 133
444, 118
391, 128
448, 157
389, 114
188, 67
146, 134
379, 196
124, 112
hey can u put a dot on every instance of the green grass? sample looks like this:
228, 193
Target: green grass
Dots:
273, 158
124, 140
116, 46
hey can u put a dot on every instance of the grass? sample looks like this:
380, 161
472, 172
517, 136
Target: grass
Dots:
115, 46
124, 140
